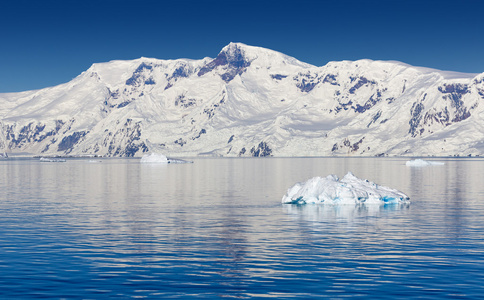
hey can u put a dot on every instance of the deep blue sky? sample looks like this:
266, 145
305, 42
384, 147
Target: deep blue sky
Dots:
48, 42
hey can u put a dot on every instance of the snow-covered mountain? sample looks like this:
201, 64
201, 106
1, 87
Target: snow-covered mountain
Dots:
249, 101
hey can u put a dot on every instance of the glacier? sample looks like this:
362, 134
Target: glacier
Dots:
349, 190
249, 101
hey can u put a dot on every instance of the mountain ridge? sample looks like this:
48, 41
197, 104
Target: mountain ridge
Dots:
249, 101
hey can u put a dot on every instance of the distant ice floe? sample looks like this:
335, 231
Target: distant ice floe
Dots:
422, 163
158, 158
49, 159
349, 190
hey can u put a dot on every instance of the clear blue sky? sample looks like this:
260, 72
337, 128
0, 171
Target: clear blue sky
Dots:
48, 42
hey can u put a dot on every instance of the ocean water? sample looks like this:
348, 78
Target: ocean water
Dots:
118, 229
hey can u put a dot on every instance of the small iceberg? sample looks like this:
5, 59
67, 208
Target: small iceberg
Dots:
349, 190
158, 158
422, 163
49, 159
154, 158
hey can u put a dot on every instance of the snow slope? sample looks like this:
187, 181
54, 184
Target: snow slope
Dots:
249, 101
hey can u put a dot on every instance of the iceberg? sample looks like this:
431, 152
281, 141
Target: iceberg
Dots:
158, 158
48, 159
349, 190
154, 158
422, 163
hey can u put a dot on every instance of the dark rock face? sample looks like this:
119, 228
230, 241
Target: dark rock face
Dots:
30, 133
374, 99
374, 119
262, 150
234, 62
180, 72
361, 81
180, 142
184, 102
416, 113
203, 131
347, 144
331, 79
129, 134
138, 77
278, 76
454, 93
306, 82
69, 141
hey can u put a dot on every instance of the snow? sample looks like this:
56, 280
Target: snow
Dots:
349, 190
294, 108
154, 158
422, 163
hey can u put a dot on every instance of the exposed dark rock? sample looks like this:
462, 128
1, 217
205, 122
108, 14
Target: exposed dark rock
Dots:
180, 72
131, 149
129, 135
278, 76
182, 101
150, 81
346, 143
455, 88
331, 79
180, 142
233, 60
356, 145
361, 82
375, 117
123, 104
416, 117
374, 99
231, 139
203, 131
306, 82
262, 150
69, 141
242, 151
137, 77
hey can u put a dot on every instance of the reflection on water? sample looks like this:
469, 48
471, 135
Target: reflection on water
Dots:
216, 228
346, 213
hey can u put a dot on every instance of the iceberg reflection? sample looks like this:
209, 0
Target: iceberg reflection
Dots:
321, 212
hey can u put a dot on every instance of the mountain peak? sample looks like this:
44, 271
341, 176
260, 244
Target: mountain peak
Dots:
235, 58
232, 59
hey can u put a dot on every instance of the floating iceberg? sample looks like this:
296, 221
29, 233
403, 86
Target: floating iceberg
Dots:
49, 159
349, 190
156, 158
422, 163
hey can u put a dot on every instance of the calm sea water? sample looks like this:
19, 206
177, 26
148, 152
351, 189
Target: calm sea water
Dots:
216, 228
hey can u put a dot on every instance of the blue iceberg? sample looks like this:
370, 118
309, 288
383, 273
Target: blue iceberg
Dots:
349, 190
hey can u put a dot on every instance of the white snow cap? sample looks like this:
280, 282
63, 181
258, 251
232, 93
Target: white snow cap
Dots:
349, 190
